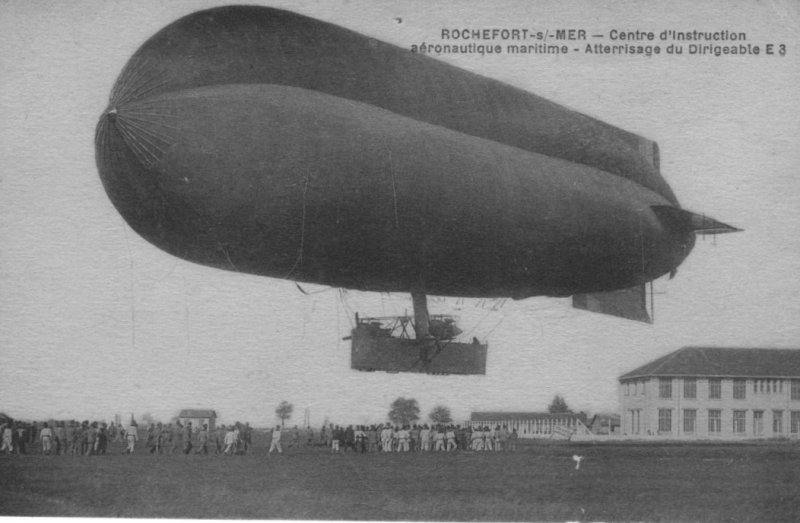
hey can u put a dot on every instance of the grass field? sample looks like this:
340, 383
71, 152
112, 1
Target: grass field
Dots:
616, 482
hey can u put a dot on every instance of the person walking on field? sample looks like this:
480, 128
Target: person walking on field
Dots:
512, 440
230, 441
337, 436
61, 438
187, 438
177, 441
386, 438
72, 437
132, 435
46, 436
202, 441
276, 441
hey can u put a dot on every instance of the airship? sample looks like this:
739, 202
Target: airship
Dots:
262, 141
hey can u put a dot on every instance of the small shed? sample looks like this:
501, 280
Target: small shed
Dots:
605, 424
198, 417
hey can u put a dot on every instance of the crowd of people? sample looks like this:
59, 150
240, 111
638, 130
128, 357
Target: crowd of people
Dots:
92, 438
406, 438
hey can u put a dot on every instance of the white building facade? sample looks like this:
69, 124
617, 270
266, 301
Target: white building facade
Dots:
714, 393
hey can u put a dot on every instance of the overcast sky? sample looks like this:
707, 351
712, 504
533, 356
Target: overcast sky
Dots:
95, 321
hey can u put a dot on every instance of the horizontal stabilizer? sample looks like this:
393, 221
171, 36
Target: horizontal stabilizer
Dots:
630, 304
689, 221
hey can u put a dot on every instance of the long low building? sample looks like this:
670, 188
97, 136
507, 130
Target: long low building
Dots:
198, 418
714, 393
532, 424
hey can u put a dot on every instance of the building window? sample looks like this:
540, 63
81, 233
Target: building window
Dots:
665, 388
715, 389
690, 388
634, 421
739, 418
665, 421
739, 389
795, 421
714, 421
758, 422
777, 422
689, 418
796, 389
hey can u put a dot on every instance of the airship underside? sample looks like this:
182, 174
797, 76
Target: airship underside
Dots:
342, 193
250, 139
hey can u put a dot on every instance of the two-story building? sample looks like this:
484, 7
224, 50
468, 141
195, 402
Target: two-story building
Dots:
711, 392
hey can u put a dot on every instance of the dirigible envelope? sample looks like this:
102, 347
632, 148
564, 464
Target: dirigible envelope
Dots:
258, 140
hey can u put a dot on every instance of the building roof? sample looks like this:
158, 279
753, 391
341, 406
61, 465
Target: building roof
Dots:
722, 362
197, 413
523, 416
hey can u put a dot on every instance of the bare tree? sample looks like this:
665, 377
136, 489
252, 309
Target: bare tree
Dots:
284, 411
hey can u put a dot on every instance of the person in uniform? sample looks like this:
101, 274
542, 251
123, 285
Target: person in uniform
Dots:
237, 435
372, 439
477, 439
46, 437
132, 434
424, 438
187, 438
101, 443
167, 438
8, 438
488, 439
450, 435
177, 438
414, 438
61, 438
71, 438
336, 435
219, 439
502, 438
512, 440
275, 444
386, 438
403, 435
247, 437
438, 439
202, 440
229, 441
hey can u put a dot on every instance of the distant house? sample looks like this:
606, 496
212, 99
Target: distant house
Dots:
714, 393
605, 424
533, 424
198, 417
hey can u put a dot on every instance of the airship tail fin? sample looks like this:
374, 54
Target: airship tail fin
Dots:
630, 303
690, 221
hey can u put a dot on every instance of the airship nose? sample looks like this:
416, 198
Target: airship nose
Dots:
111, 114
